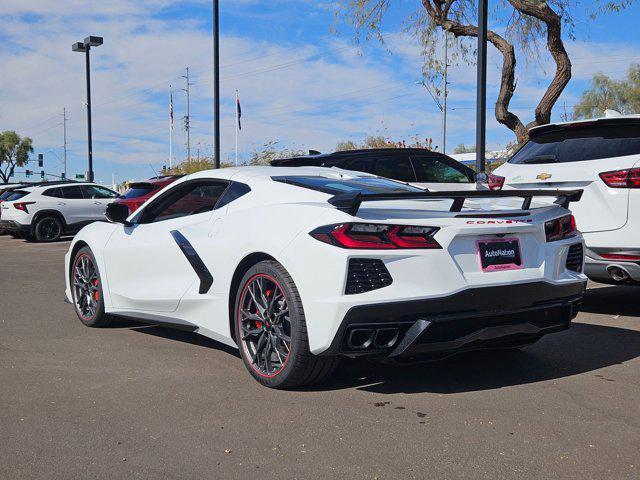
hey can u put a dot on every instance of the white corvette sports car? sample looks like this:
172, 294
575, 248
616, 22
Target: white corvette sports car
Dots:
299, 266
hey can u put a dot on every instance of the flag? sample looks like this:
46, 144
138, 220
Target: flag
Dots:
171, 109
238, 112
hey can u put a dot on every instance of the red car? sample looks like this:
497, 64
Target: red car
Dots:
140, 192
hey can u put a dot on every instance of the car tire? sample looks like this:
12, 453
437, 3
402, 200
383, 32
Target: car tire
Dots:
86, 290
48, 229
268, 311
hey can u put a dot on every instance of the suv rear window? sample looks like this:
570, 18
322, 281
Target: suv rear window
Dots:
137, 190
578, 144
335, 186
17, 195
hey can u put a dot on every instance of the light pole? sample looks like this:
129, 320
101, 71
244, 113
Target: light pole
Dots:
216, 82
481, 102
85, 47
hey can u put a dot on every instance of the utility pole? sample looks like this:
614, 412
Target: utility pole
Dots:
187, 126
444, 94
64, 134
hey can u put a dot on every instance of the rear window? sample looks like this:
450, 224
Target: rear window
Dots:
138, 190
17, 195
6, 194
580, 144
335, 186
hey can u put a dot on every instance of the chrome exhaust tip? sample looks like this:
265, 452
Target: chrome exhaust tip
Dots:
618, 274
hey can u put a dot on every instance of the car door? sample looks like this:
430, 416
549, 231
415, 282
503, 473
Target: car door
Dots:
73, 205
147, 265
97, 200
437, 174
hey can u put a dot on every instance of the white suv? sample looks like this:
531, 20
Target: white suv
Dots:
46, 212
601, 156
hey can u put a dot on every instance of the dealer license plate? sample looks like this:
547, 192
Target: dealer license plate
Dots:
499, 254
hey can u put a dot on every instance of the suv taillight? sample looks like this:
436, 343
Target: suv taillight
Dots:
496, 182
23, 206
372, 236
627, 178
559, 228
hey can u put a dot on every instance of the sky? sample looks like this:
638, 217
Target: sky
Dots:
302, 80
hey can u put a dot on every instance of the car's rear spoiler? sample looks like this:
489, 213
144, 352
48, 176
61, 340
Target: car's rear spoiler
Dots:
350, 202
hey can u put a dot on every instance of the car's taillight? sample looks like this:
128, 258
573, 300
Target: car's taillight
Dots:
559, 228
621, 256
627, 178
496, 182
376, 236
23, 206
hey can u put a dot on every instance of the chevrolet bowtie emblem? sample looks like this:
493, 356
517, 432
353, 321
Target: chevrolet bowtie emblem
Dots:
544, 176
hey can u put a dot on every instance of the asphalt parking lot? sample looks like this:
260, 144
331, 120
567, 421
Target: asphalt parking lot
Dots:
137, 401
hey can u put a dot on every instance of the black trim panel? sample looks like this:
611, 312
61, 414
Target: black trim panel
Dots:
473, 302
206, 279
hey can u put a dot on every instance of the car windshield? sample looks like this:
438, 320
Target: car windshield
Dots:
335, 186
577, 144
137, 190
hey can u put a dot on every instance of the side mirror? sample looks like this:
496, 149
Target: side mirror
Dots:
482, 177
117, 213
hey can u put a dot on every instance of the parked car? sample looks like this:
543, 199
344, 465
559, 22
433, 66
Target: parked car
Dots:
601, 156
47, 211
6, 191
300, 266
417, 166
140, 192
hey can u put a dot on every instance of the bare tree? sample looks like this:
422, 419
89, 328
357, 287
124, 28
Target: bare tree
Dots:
527, 24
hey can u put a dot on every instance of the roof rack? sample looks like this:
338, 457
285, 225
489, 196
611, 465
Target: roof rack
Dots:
350, 202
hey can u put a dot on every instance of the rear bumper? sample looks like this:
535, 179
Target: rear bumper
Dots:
487, 317
598, 268
13, 226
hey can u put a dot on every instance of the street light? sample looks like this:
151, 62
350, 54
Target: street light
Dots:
85, 47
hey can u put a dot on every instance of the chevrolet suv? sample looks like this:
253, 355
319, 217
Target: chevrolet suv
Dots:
46, 212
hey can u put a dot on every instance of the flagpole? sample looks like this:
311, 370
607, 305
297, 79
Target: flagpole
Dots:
171, 129
236, 128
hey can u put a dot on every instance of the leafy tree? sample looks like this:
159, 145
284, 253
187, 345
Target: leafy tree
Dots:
527, 23
462, 148
194, 165
607, 93
270, 151
380, 141
14, 152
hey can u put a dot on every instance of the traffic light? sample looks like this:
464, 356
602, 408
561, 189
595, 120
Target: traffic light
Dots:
27, 173
42, 174
40, 160
63, 176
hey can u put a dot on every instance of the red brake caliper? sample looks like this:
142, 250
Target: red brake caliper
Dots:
95, 294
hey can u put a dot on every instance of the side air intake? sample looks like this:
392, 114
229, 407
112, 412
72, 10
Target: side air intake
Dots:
366, 274
575, 258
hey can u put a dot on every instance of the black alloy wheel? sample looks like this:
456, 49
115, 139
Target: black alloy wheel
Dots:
48, 229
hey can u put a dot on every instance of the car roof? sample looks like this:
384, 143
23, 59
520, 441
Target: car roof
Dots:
339, 155
38, 186
611, 118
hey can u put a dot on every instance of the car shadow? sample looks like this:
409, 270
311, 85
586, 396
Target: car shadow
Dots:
180, 336
582, 349
612, 300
